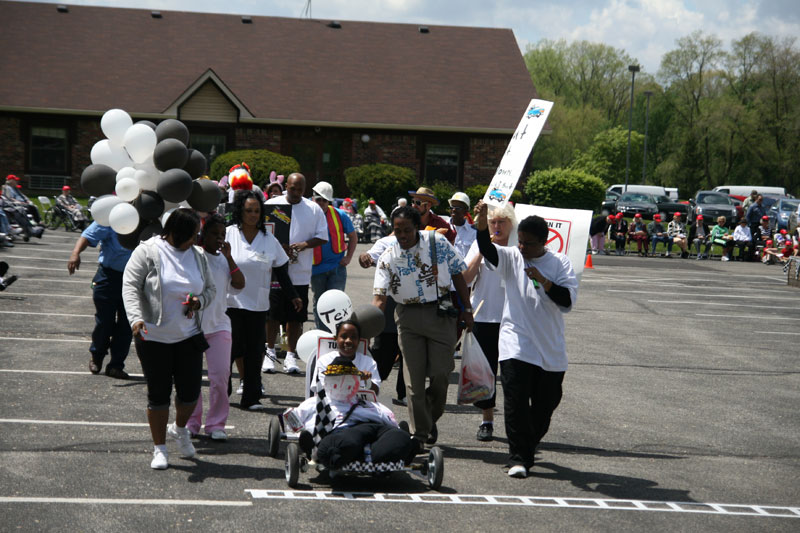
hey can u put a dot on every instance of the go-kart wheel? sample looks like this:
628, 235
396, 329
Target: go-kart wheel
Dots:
435, 468
292, 464
273, 437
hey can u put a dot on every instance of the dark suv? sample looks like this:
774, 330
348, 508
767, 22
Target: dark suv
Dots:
711, 205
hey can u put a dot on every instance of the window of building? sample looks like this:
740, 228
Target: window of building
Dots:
48, 150
441, 163
209, 144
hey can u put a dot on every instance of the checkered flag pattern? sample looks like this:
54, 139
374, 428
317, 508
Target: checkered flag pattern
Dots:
323, 423
365, 467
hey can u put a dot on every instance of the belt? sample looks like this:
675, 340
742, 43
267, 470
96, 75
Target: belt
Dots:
426, 304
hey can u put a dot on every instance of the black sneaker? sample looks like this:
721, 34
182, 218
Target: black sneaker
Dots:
306, 442
116, 373
7, 281
433, 436
485, 432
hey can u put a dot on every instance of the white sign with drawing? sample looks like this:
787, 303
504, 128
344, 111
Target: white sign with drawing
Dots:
513, 162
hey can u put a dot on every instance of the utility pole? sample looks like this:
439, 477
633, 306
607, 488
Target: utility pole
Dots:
648, 94
633, 70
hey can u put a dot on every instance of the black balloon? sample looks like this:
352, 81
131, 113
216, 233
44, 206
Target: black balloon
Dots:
147, 123
196, 164
205, 195
153, 228
149, 205
370, 320
170, 153
175, 185
172, 129
98, 180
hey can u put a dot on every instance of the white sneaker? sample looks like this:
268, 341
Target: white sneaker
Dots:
256, 407
268, 366
518, 471
240, 390
160, 460
290, 364
725, 258
219, 434
182, 438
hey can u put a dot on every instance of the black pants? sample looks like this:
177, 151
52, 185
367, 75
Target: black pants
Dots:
388, 444
488, 336
248, 335
163, 364
384, 350
531, 395
111, 328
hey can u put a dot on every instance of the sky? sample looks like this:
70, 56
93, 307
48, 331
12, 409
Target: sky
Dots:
645, 29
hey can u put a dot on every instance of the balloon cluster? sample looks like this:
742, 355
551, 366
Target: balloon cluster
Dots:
141, 172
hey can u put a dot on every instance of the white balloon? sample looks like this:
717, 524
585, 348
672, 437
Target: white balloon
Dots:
123, 218
140, 141
127, 189
102, 207
113, 155
125, 172
167, 213
307, 343
146, 180
115, 123
334, 306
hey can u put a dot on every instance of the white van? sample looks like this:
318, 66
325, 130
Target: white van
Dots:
649, 189
745, 190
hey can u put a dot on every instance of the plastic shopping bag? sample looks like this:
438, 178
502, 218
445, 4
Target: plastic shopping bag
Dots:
476, 380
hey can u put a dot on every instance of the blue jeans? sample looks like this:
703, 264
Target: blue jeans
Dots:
332, 279
5, 227
655, 239
111, 328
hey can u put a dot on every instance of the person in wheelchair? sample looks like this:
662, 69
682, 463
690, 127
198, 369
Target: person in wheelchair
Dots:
71, 208
344, 428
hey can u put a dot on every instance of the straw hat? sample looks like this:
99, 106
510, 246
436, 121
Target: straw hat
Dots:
424, 193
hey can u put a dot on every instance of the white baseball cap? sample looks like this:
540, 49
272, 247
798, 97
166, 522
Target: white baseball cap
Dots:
324, 189
459, 197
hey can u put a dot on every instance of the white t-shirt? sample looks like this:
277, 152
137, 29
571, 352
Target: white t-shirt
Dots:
363, 362
214, 317
256, 261
487, 287
179, 276
465, 236
532, 329
308, 222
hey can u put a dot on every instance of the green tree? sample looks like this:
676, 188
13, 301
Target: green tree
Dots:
380, 181
606, 157
565, 188
261, 163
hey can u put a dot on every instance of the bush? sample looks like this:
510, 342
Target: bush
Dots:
477, 192
443, 191
381, 182
565, 188
261, 163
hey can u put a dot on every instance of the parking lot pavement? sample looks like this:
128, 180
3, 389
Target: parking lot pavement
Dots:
679, 412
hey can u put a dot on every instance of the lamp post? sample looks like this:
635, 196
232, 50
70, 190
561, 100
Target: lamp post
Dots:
633, 70
648, 94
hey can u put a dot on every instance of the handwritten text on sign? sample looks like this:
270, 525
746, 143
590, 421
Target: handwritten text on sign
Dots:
513, 162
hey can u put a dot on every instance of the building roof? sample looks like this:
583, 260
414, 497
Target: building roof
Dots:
274, 70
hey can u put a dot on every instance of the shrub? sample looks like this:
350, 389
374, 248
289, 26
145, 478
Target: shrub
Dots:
261, 163
477, 192
565, 188
443, 191
381, 182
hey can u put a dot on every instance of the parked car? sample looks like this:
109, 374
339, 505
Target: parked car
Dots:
610, 203
737, 202
631, 203
668, 206
711, 205
781, 210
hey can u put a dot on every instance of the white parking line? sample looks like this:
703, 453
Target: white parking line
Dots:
777, 332
79, 423
46, 295
64, 260
115, 501
688, 302
534, 501
63, 269
43, 340
747, 316
740, 296
47, 314
65, 372
55, 280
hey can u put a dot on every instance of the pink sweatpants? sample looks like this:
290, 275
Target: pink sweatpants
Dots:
218, 361
598, 242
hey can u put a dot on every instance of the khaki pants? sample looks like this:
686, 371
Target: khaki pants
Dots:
427, 342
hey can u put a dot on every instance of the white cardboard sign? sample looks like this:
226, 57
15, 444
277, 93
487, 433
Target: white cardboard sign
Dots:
569, 231
519, 148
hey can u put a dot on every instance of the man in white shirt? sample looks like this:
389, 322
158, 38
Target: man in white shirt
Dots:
307, 229
407, 272
465, 232
743, 240
540, 287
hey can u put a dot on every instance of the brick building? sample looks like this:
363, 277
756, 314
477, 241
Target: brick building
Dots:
440, 100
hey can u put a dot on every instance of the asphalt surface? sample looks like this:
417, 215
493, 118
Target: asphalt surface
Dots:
683, 391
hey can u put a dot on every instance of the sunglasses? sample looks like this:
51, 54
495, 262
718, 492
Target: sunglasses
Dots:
457, 208
418, 202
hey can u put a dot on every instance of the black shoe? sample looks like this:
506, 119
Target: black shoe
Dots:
434, 435
306, 442
94, 368
3, 268
485, 432
116, 373
417, 448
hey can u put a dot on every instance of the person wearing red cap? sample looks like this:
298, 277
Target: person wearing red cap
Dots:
597, 233
677, 233
375, 221
762, 234
657, 233
637, 231
72, 207
619, 233
698, 235
13, 194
